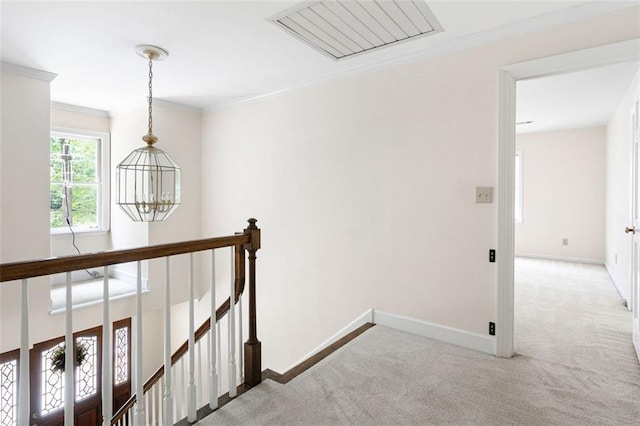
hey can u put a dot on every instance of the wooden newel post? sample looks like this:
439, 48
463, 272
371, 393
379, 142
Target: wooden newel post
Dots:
252, 347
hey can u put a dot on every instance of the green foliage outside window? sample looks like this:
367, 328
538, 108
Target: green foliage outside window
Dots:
80, 195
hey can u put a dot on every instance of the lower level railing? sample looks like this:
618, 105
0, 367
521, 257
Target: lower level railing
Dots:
195, 375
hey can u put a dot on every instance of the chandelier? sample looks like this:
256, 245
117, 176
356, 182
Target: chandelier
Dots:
148, 180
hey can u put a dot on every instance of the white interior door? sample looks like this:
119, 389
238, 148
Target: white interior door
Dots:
635, 227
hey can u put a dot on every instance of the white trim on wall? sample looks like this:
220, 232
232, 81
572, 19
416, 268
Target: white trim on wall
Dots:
366, 317
561, 258
506, 213
80, 109
454, 336
174, 105
624, 51
10, 68
519, 188
616, 286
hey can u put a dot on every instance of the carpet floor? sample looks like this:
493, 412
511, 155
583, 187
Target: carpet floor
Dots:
575, 365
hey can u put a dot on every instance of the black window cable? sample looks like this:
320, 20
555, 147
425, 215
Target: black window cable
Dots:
93, 274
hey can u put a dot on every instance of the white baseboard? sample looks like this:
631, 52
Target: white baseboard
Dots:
366, 317
636, 337
455, 336
616, 286
561, 258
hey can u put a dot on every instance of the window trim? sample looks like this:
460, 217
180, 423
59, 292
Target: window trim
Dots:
104, 186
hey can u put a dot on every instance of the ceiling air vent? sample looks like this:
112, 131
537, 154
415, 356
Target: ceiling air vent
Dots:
344, 28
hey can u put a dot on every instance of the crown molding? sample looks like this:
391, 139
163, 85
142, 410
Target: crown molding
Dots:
157, 102
174, 105
79, 109
27, 72
538, 23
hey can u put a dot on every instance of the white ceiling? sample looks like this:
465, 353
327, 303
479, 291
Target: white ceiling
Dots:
573, 100
225, 51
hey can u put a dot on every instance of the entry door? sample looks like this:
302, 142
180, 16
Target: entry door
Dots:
635, 227
47, 383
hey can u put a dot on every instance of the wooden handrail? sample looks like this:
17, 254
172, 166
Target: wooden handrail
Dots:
55, 265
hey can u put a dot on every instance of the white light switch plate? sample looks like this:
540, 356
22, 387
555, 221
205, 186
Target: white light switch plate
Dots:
484, 194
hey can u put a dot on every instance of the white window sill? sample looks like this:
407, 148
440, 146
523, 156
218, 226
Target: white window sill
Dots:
66, 232
89, 293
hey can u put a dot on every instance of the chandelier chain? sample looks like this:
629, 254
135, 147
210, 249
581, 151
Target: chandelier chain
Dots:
150, 96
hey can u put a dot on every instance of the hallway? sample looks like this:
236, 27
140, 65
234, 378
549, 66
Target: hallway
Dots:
570, 313
575, 366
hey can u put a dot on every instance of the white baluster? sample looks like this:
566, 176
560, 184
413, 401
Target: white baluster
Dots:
154, 407
199, 375
208, 361
232, 324
191, 385
23, 397
107, 358
183, 389
69, 397
161, 403
213, 357
174, 375
168, 391
139, 418
240, 344
147, 412
219, 354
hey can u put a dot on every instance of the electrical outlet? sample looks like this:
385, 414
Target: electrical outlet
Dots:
492, 256
565, 241
484, 195
492, 328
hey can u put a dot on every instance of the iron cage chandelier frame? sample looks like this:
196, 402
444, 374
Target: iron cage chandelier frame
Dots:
148, 180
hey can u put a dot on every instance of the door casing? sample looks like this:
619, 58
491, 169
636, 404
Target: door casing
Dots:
634, 303
625, 51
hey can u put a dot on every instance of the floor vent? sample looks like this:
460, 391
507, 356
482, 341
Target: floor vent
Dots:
345, 28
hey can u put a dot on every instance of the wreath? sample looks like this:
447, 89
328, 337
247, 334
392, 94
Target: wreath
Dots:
58, 358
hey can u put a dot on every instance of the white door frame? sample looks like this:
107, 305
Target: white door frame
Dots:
634, 302
508, 75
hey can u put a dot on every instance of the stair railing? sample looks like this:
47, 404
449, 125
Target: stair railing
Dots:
166, 402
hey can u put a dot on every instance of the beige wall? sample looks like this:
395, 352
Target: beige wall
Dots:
563, 194
618, 214
364, 187
24, 192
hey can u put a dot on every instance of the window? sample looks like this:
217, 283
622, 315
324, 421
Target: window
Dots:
518, 197
79, 181
9, 388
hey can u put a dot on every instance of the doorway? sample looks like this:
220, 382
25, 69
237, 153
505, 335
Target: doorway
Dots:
47, 381
574, 61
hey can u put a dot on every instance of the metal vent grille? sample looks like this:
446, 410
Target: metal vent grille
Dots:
344, 28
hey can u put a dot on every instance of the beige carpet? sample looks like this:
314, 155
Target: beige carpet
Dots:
575, 366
